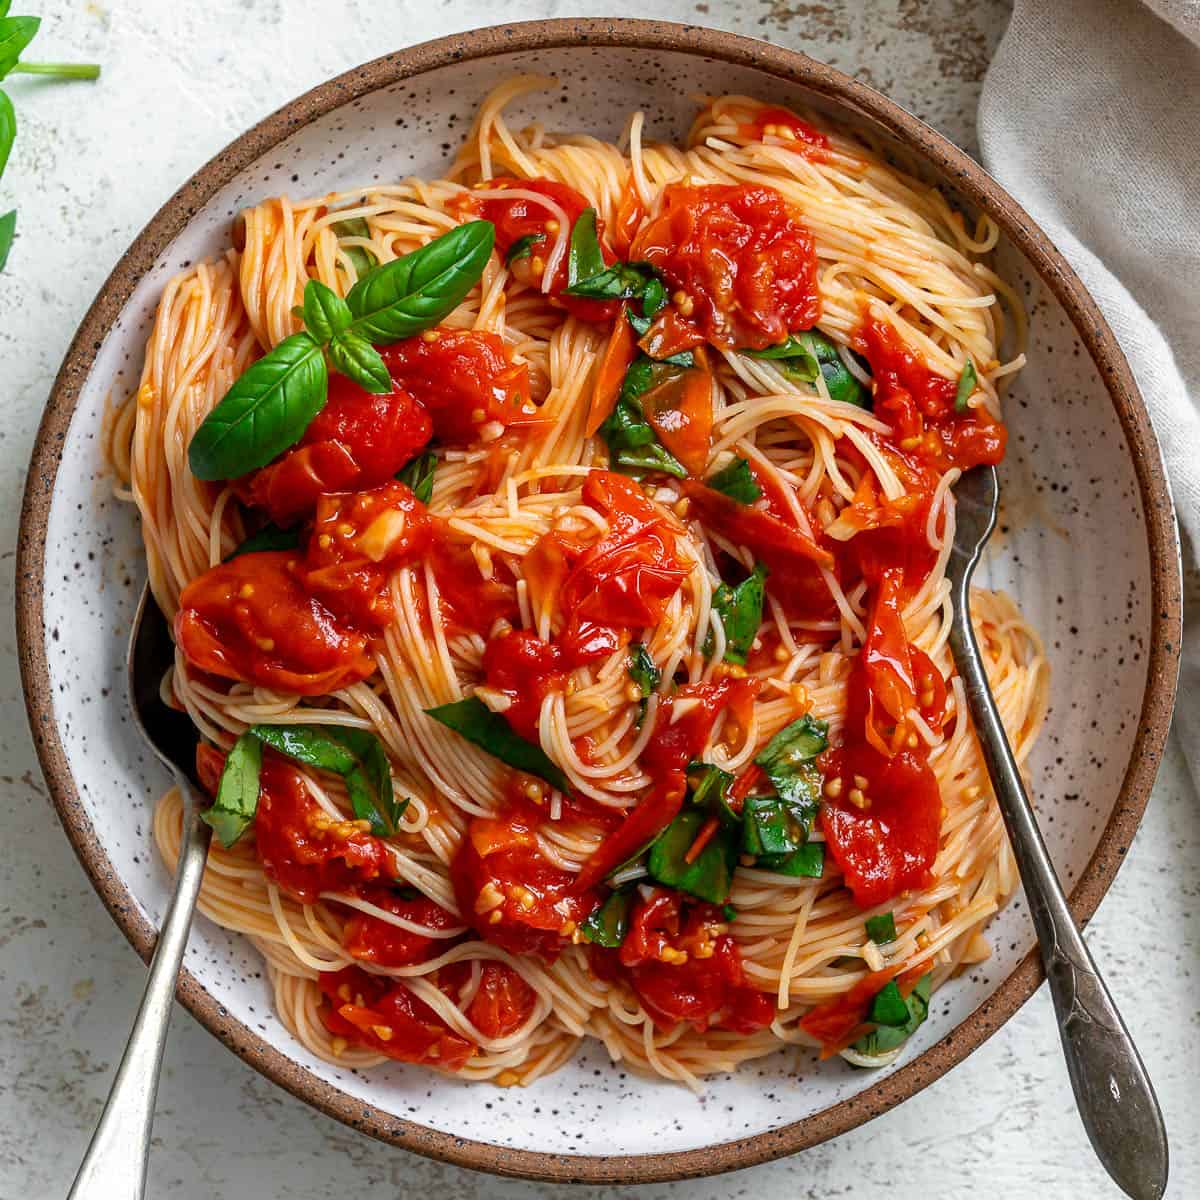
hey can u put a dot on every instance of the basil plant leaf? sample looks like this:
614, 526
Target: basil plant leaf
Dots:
888, 1037
15, 34
362, 259
8, 129
8, 229
608, 923
325, 312
966, 385
788, 761
401, 298
523, 247
805, 355
358, 360
710, 874
269, 537
739, 610
236, 801
418, 475
736, 481
266, 411
584, 256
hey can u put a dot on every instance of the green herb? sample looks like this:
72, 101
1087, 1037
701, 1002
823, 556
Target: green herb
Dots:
269, 537
739, 610
888, 1037
654, 297
324, 312
808, 861
8, 226
641, 324
888, 1007
358, 360
645, 674
476, 722
362, 259
403, 297
729, 912
418, 474
804, 355
236, 801
8, 129
621, 281
966, 385
608, 923
15, 34
631, 439
584, 256
881, 929
709, 786
685, 358
523, 247
772, 826
736, 481
710, 875
356, 755
788, 762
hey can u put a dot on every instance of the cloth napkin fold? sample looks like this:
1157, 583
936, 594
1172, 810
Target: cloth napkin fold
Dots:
1090, 116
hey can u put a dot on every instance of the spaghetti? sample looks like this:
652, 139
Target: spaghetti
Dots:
627, 713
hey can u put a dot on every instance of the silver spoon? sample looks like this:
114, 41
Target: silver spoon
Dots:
1112, 1090
114, 1167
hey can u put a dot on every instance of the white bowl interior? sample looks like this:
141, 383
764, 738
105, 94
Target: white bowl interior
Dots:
1073, 551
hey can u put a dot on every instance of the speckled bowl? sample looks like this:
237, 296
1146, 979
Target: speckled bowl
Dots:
1088, 548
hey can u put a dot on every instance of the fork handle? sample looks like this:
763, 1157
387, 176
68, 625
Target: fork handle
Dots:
114, 1167
1112, 1090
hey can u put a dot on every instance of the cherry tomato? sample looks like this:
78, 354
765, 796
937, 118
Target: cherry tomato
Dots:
677, 742
778, 122
383, 1015
469, 601
518, 218
251, 619
743, 261
358, 540
371, 939
512, 895
358, 440
503, 1001
464, 378
919, 406
680, 410
526, 670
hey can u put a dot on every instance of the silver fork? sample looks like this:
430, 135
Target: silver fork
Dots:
114, 1167
1112, 1090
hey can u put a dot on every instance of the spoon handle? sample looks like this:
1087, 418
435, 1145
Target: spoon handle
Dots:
1112, 1090
114, 1167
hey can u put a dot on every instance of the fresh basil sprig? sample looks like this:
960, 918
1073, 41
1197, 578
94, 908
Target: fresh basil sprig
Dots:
236, 802
633, 445
418, 474
273, 401
269, 537
473, 720
736, 481
356, 755
739, 610
585, 259
806, 354
966, 385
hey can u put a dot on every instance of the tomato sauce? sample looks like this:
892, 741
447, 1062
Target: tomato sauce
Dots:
372, 939
525, 669
746, 266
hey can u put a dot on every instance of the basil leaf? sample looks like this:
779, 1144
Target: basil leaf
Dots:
641, 325
729, 913
418, 474
685, 358
523, 247
966, 385
639, 378
805, 354
584, 257
740, 612
356, 755
269, 537
710, 875
8, 228
608, 923
491, 732
265, 412
654, 298
325, 312
236, 801
358, 360
710, 790
886, 1037
773, 827
631, 440
8, 128
788, 762
401, 298
793, 347
888, 1006
362, 259
736, 481
15, 34
881, 929
808, 861
618, 282
642, 670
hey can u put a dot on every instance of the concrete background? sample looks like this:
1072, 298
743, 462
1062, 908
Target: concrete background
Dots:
91, 164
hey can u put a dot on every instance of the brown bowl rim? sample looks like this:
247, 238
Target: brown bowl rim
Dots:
975, 184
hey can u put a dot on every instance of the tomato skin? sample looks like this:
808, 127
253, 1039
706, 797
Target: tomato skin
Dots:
415, 1033
358, 440
526, 670
250, 619
501, 855
358, 540
806, 139
464, 378
748, 265
372, 940
919, 405
681, 412
518, 218
503, 1001
468, 601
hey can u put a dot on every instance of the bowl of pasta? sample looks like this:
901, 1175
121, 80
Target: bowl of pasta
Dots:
542, 443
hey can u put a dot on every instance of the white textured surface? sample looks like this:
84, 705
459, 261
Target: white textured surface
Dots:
90, 167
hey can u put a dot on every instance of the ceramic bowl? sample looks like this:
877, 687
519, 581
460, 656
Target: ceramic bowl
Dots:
1087, 547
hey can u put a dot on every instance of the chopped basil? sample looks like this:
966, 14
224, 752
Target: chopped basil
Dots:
236, 801
631, 439
654, 297
641, 324
739, 610
888, 1037
736, 481
584, 257
808, 861
710, 874
608, 923
418, 474
888, 1006
803, 355
881, 929
685, 358
644, 673
621, 281
356, 755
709, 786
523, 247
489, 731
788, 762
966, 385
269, 537
360, 257
773, 827
729, 912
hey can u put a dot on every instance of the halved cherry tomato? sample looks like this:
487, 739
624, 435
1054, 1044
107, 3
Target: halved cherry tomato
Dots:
775, 121
630, 214
741, 257
465, 378
374, 940
251, 619
526, 670
610, 373
468, 600
503, 1001
681, 412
